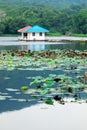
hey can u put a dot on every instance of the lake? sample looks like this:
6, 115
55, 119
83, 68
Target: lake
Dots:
18, 110
9, 43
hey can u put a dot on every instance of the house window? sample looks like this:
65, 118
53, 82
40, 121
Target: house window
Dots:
40, 33
25, 34
33, 34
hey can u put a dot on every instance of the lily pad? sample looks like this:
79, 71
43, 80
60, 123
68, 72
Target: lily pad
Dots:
43, 92
49, 101
24, 88
27, 56
48, 84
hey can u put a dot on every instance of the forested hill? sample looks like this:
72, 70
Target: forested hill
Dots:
66, 20
54, 3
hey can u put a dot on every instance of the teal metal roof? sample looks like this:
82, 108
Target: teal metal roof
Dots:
36, 29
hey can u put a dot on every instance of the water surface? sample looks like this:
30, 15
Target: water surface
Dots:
9, 43
16, 113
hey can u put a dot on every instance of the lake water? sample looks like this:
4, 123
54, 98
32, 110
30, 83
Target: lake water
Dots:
9, 43
16, 113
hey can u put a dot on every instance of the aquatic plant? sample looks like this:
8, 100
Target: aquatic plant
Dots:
70, 83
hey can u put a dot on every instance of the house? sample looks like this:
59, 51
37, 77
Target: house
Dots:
35, 33
23, 34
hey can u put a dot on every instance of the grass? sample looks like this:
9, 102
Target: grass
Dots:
48, 34
79, 35
59, 34
54, 34
9, 35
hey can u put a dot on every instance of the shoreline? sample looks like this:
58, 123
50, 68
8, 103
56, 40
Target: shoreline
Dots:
49, 40
59, 39
67, 39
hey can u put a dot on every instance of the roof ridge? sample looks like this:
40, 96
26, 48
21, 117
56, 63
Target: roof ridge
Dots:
36, 28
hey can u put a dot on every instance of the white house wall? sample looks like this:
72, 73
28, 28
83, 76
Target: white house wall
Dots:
36, 37
22, 37
31, 37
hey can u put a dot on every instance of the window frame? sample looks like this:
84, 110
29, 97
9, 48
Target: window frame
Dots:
33, 34
40, 34
25, 34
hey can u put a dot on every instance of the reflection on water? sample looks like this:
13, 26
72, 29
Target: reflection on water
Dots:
13, 43
37, 47
73, 46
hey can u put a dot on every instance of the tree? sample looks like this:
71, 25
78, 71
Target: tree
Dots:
80, 22
2, 28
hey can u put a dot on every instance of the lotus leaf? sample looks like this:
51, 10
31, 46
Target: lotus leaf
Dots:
77, 86
27, 56
48, 84
24, 88
68, 71
49, 101
35, 96
43, 92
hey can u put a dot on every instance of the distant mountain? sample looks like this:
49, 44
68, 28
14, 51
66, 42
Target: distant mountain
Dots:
54, 3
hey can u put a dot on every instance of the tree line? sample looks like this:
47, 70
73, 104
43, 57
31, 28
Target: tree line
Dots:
65, 21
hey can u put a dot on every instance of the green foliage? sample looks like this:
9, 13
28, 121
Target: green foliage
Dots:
43, 92
68, 79
49, 101
80, 35
24, 88
27, 56
65, 21
2, 28
49, 84
53, 34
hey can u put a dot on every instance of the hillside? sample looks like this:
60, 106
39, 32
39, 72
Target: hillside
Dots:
54, 3
66, 18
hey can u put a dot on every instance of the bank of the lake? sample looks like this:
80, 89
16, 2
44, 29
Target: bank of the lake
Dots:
9, 43
66, 38
48, 38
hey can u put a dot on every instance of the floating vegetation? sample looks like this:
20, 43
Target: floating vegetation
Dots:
71, 83
24, 88
49, 101
58, 59
58, 87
